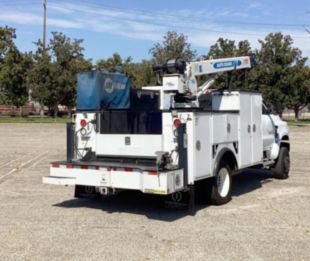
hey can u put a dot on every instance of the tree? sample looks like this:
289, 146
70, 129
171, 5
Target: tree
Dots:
53, 77
7, 36
41, 78
174, 46
113, 62
14, 77
68, 59
141, 74
272, 76
14, 68
225, 48
297, 91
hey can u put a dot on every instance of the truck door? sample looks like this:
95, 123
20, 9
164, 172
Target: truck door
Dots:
268, 129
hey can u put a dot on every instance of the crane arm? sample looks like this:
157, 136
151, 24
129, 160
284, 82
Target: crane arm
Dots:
219, 65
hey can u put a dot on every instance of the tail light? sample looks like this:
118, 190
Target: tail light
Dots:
83, 123
177, 123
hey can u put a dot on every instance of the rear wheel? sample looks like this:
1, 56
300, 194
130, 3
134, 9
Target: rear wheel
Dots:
220, 192
282, 167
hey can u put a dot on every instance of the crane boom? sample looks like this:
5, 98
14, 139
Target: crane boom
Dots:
219, 65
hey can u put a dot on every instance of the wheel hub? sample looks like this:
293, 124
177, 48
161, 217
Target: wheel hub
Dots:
223, 182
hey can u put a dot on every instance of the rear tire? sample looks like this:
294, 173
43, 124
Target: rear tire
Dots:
281, 168
220, 192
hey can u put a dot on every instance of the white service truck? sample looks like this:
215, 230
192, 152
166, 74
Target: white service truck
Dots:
173, 138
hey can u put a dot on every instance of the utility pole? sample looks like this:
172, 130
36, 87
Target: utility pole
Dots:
44, 46
44, 24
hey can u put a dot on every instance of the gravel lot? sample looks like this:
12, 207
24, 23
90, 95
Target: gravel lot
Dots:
267, 219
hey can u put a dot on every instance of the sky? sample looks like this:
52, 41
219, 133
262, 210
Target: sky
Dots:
132, 27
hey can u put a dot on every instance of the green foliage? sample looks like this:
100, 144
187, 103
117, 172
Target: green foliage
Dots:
113, 62
297, 88
281, 73
224, 48
7, 36
53, 77
278, 63
141, 74
68, 61
173, 46
14, 67
13, 78
41, 78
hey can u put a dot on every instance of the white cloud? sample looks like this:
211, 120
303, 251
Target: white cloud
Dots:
19, 17
201, 26
63, 23
254, 5
35, 19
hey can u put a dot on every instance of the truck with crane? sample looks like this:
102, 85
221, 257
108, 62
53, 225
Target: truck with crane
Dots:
170, 139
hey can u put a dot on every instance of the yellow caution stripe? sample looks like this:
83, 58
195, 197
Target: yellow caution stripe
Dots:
156, 191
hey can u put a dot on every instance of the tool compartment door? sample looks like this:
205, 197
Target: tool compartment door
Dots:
129, 133
245, 148
256, 131
250, 133
128, 145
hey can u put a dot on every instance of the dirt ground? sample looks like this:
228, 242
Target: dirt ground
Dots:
267, 219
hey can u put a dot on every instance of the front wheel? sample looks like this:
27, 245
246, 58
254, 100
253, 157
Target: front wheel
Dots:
221, 185
281, 168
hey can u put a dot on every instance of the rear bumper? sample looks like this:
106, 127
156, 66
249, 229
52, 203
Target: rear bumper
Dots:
147, 181
58, 181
